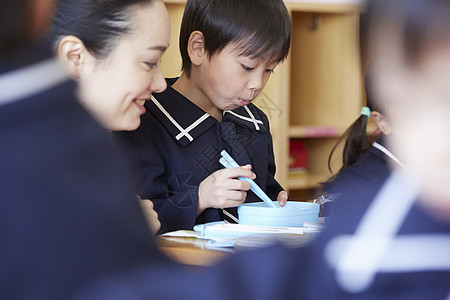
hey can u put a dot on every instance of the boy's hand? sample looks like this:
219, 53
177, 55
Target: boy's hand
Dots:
222, 189
282, 198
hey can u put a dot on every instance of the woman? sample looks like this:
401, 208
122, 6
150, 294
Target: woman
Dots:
113, 50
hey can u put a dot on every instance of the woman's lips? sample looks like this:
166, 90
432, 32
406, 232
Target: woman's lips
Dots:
140, 105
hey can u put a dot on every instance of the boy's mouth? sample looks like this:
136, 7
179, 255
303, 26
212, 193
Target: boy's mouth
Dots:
244, 102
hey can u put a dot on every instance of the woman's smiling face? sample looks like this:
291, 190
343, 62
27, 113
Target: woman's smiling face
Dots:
115, 88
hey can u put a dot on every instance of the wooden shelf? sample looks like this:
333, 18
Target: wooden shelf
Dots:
310, 5
300, 132
324, 6
175, 1
306, 181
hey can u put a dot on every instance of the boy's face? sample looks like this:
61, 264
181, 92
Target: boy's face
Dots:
230, 80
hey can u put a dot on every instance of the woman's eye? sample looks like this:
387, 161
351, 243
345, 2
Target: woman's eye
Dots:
270, 71
150, 65
247, 68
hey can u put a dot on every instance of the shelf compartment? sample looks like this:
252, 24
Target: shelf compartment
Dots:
297, 132
305, 181
325, 81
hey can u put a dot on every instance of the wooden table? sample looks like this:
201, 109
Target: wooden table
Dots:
191, 251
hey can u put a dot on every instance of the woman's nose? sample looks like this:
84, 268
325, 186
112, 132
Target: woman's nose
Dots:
158, 83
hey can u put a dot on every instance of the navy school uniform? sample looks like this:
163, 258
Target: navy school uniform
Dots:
178, 145
372, 167
310, 272
68, 211
357, 186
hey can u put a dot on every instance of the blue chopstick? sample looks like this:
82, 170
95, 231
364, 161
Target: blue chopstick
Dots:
228, 162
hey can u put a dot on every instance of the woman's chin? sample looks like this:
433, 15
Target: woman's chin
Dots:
129, 125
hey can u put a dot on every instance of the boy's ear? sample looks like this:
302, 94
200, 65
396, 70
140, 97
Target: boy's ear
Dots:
381, 122
72, 53
196, 47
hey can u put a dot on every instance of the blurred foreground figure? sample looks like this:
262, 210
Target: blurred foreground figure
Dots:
411, 40
68, 212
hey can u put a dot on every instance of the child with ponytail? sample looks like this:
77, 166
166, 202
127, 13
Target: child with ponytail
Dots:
365, 156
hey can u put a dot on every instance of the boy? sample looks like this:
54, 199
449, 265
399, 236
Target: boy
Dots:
229, 50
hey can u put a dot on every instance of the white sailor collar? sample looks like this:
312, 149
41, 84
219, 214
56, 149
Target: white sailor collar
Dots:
380, 149
247, 116
185, 121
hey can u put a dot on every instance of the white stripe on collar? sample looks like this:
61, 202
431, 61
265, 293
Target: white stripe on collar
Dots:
252, 118
374, 235
387, 152
404, 254
31, 80
183, 132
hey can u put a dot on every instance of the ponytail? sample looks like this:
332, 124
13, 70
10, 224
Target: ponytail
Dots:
356, 141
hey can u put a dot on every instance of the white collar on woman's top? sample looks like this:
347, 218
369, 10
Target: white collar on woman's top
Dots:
31, 80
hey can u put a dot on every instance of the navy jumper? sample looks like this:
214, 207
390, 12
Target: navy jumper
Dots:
178, 145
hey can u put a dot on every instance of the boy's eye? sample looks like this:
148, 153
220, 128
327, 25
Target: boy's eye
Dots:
247, 68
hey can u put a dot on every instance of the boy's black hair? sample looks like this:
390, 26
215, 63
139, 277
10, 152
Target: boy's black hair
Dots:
97, 24
259, 27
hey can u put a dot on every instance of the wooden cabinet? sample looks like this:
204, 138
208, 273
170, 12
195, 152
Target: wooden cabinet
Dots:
314, 95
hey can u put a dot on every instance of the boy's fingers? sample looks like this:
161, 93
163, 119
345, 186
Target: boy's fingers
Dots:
239, 172
282, 198
239, 185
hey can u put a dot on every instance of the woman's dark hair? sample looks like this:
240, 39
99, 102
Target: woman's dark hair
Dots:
422, 24
356, 139
259, 27
14, 25
96, 23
